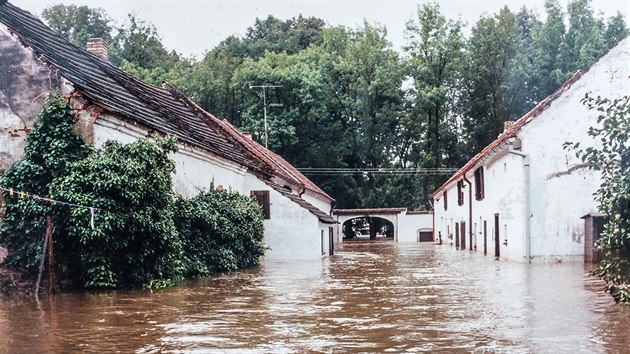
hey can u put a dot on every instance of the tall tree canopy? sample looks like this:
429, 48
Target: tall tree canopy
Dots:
351, 102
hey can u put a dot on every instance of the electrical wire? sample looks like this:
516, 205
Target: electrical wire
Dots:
338, 171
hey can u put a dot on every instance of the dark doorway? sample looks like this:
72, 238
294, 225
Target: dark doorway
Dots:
457, 235
331, 241
368, 227
463, 235
497, 241
425, 236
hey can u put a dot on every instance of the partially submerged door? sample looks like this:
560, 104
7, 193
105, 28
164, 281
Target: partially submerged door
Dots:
462, 233
457, 235
497, 241
425, 236
331, 241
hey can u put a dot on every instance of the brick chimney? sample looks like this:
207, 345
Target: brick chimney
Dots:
98, 47
507, 124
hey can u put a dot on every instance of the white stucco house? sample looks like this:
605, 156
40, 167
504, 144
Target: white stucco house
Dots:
522, 197
110, 104
409, 226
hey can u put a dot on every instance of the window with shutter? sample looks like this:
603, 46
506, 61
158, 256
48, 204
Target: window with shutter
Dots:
479, 184
460, 193
262, 197
444, 195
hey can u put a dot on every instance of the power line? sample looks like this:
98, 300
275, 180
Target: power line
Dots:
337, 171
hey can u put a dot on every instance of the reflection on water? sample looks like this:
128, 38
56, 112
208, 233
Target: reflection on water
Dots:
370, 297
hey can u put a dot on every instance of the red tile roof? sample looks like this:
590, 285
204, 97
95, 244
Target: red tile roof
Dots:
368, 211
419, 212
510, 131
278, 165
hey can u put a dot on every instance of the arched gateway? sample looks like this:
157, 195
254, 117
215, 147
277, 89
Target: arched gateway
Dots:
408, 226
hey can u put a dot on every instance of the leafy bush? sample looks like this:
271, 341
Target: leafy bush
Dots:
51, 147
134, 241
220, 231
613, 196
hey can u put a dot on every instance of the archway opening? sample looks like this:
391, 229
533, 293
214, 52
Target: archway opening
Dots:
368, 228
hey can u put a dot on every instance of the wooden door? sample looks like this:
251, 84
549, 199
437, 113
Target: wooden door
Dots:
463, 235
457, 235
331, 241
497, 240
425, 236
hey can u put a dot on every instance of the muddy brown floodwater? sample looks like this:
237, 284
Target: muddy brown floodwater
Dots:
369, 297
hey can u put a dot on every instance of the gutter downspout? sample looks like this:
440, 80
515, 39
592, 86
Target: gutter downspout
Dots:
303, 191
470, 228
432, 208
528, 203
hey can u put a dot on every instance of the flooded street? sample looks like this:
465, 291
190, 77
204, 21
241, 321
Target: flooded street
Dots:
369, 297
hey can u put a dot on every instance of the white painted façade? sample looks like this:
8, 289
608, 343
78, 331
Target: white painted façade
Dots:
111, 105
522, 197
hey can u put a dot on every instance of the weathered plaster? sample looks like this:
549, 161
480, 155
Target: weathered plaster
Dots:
24, 80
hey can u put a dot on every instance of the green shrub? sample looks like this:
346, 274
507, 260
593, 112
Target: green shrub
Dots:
50, 148
220, 231
613, 195
134, 242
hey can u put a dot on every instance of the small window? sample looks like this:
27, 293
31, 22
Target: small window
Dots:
479, 184
460, 192
262, 197
444, 195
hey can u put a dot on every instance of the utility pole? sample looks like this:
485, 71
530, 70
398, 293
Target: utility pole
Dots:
264, 87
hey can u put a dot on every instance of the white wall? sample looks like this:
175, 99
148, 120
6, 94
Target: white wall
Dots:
561, 190
292, 232
410, 224
504, 195
195, 169
321, 202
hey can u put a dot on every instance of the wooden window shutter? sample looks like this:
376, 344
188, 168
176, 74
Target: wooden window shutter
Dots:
262, 197
479, 184
460, 192
444, 195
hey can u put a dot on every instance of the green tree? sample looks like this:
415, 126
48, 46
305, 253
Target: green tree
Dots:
367, 78
613, 195
616, 30
78, 23
275, 35
435, 57
548, 40
138, 45
584, 40
489, 97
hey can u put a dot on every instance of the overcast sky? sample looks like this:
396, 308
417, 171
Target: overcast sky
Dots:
193, 26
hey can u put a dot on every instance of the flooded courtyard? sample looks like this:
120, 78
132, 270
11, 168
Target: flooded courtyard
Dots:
369, 297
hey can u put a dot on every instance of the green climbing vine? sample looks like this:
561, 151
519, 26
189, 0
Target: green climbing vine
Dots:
138, 234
